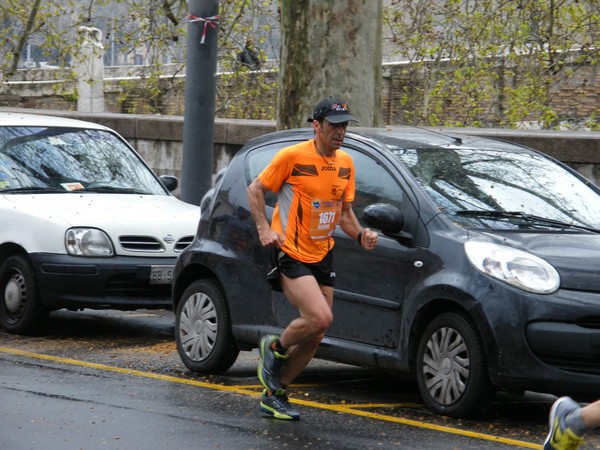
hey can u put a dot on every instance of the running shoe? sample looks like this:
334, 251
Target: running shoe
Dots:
269, 366
560, 436
277, 405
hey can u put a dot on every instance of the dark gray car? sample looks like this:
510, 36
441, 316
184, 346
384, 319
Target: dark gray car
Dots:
485, 277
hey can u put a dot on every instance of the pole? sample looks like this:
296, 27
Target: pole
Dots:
200, 93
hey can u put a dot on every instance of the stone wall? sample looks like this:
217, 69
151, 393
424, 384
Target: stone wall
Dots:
575, 94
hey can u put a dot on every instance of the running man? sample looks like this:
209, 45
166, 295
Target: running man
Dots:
314, 181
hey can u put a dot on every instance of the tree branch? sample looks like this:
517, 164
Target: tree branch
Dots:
23, 39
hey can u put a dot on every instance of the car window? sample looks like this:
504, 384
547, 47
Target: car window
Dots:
258, 160
70, 159
374, 184
498, 181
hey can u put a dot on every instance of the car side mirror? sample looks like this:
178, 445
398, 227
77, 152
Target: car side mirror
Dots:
170, 182
388, 219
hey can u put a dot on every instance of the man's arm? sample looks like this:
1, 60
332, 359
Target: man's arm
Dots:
256, 200
350, 225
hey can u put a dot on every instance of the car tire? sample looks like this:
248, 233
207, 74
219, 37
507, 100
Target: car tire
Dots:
203, 333
21, 310
451, 367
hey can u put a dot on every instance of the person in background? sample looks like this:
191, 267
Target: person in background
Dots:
569, 421
250, 55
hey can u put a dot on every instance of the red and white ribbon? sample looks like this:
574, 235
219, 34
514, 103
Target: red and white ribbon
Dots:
212, 21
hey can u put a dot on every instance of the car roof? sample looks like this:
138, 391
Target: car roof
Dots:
8, 119
402, 137
406, 137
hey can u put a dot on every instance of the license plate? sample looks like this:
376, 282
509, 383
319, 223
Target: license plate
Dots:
161, 274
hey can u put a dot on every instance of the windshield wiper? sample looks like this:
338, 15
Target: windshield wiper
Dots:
529, 218
27, 189
113, 190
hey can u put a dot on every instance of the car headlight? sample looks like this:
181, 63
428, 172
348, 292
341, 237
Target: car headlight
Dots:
515, 267
88, 242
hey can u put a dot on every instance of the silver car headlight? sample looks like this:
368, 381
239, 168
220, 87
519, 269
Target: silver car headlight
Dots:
515, 267
88, 242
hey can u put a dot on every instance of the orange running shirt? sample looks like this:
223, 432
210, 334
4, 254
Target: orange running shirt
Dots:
310, 192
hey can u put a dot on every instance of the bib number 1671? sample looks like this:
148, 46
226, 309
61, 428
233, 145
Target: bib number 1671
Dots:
326, 217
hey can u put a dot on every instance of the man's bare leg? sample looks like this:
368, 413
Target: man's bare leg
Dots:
303, 335
591, 415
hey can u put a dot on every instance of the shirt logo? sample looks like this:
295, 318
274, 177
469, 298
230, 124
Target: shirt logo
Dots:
344, 173
316, 204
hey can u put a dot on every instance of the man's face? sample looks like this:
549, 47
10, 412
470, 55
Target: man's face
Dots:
330, 135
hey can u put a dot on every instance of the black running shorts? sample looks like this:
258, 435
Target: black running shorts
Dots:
292, 268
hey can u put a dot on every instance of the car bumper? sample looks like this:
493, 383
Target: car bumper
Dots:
569, 346
550, 345
119, 282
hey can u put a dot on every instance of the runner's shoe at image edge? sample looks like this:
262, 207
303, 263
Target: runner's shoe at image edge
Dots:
560, 436
278, 406
270, 363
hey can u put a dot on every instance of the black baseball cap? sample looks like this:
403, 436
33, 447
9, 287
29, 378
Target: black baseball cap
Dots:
334, 110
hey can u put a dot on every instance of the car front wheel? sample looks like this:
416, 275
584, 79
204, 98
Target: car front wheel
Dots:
21, 311
203, 333
451, 367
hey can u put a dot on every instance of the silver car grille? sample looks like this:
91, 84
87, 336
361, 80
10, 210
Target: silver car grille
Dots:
151, 244
141, 244
183, 243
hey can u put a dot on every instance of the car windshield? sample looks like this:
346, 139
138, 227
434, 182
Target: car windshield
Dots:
499, 189
50, 159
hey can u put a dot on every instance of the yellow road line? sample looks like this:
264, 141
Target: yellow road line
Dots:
346, 409
380, 405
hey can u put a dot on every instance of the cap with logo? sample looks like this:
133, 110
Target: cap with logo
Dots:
332, 109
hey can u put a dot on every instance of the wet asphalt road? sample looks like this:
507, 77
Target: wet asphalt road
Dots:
113, 380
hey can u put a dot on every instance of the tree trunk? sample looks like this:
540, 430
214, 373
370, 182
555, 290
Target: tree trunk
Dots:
330, 47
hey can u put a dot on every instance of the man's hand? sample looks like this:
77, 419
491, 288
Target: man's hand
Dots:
270, 238
369, 239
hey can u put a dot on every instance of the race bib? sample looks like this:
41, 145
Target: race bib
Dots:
324, 217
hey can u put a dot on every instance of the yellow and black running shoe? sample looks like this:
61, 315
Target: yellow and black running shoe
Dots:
277, 404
